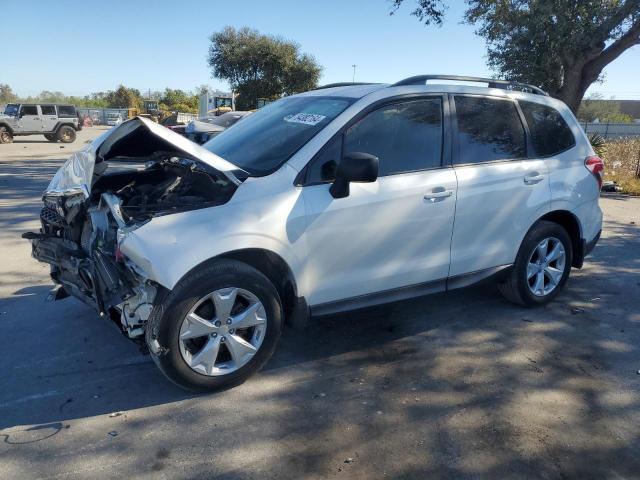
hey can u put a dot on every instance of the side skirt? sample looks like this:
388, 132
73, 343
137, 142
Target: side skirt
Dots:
411, 291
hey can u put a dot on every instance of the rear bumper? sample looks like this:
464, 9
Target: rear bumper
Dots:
583, 249
589, 246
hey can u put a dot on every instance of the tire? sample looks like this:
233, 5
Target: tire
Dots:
5, 135
51, 137
167, 326
66, 134
522, 280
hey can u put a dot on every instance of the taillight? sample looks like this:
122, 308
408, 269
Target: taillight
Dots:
596, 166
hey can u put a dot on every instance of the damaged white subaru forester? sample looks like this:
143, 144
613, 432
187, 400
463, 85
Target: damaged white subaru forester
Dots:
340, 198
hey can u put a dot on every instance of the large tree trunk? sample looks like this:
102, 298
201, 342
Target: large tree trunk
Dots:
572, 92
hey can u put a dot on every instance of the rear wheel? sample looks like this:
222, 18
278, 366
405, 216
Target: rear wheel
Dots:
217, 327
5, 135
51, 137
542, 266
66, 134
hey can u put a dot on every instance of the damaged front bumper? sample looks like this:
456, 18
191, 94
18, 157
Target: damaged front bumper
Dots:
98, 275
108, 189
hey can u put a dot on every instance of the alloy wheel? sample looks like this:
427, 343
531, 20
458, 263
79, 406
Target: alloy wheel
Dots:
223, 331
546, 266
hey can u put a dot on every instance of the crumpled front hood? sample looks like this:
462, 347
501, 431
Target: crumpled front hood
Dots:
134, 137
75, 175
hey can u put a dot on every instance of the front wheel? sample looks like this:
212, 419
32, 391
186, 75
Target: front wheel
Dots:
542, 266
217, 327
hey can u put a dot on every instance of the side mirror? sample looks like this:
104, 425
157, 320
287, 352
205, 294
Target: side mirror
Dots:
354, 167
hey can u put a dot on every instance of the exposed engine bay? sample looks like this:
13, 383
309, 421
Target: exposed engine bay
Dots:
135, 176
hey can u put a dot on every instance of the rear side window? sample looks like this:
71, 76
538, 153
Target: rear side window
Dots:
48, 109
405, 137
29, 110
66, 111
488, 129
550, 134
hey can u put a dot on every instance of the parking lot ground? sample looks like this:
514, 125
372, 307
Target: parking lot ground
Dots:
458, 385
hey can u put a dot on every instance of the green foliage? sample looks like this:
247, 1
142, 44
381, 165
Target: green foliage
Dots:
6, 94
260, 66
559, 45
124, 97
598, 143
427, 11
179, 101
596, 108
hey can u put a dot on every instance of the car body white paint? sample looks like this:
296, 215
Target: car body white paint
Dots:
385, 234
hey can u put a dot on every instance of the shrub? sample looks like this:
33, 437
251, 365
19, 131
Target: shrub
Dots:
622, 164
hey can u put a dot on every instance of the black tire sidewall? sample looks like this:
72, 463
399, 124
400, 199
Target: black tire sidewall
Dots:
191, 289
538, 233
71, 131
5, 135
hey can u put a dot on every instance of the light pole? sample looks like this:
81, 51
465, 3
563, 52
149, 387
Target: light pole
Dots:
353, 80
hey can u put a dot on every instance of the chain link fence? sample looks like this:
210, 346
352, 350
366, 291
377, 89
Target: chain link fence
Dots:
613, 130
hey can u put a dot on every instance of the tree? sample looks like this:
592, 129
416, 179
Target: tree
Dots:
178, 101
6, 94
596, 108
260, 66
561, 46
124, 97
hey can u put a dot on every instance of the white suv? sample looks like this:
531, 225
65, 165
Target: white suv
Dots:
339, 198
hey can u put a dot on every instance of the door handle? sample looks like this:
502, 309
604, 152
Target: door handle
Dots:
438, 194
533, 178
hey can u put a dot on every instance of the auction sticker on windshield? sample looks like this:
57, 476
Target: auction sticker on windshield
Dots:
305, 118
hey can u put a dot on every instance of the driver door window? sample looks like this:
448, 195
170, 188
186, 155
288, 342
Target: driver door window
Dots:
29, 110
405, 136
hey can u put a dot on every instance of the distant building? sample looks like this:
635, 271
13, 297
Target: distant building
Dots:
629, 107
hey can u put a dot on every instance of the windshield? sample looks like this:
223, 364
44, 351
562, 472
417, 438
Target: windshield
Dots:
266, 139
11, 110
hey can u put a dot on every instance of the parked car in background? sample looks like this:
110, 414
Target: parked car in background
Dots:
114, 119
201, 131
344, 197
55, 122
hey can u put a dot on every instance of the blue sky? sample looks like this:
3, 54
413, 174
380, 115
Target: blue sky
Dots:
80, 47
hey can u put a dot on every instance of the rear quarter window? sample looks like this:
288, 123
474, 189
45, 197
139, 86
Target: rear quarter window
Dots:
66, 111
550, 134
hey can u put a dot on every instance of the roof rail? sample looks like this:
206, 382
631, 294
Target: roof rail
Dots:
343, 84
491, 82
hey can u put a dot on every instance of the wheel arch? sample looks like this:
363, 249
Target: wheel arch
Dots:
8, 127
59, 125
272, 266
571, 224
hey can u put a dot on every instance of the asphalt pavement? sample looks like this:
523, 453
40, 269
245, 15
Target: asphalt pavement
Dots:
458, 385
